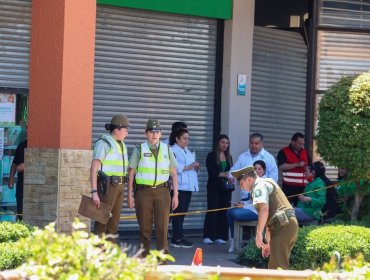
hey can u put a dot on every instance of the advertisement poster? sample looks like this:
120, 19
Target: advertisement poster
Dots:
7, 109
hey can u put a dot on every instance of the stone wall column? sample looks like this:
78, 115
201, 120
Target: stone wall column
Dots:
58, 156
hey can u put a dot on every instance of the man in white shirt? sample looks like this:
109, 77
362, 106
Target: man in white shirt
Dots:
257, 152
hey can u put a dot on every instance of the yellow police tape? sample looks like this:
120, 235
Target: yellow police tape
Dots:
132, 217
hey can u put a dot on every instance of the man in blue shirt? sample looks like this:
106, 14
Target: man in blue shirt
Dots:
257, 152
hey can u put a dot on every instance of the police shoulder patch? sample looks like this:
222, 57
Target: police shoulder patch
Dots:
257, 193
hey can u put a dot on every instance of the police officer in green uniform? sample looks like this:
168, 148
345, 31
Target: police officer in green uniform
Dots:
110, 157
275, 216
151, 164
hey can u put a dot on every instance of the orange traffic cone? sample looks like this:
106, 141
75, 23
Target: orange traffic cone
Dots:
198, 257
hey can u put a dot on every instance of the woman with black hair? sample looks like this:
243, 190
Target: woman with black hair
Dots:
219, 162
313, 198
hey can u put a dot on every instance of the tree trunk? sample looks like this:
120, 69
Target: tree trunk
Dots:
359, 197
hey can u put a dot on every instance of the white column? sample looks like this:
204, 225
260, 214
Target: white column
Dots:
238, 45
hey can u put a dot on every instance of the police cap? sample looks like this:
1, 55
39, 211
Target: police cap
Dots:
240, 173
118, 121
153, 125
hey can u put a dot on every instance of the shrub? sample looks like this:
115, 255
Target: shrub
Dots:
11, 256
315, 245
11, 232
356, 268
80, 256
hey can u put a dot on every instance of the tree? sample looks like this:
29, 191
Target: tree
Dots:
343, 136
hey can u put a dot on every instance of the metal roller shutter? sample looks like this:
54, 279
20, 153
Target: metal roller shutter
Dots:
156, 65
15, 26
341, 54
278, 87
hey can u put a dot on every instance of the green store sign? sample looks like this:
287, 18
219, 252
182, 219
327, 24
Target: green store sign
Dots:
221, 9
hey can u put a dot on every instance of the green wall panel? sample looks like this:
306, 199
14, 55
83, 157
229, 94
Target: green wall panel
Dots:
205, 8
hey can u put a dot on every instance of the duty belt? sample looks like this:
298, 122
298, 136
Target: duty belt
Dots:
140, 187
288, 212
116, 180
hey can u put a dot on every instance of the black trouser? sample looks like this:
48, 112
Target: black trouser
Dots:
19, 198
215, 223
178, 221
292, 191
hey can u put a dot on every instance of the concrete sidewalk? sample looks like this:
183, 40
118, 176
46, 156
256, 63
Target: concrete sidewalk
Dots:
213, 254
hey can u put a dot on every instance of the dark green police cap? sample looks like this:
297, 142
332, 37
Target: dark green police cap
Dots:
153, 125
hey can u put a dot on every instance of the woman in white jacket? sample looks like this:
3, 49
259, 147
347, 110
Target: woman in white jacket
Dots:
187, 172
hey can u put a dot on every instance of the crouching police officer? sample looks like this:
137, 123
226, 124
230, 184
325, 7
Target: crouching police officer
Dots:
275, 211
110, 161
151, 164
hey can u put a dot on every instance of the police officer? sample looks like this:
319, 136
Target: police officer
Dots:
275, 212
110, 157
151, 164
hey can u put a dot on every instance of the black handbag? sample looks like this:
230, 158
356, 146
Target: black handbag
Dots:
227, 186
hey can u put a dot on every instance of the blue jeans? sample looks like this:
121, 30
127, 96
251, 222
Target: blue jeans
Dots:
302, 217
239, 214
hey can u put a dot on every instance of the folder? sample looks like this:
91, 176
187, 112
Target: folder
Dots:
88, 210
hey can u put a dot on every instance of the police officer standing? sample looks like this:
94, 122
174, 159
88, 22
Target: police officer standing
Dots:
275, 212
110, 160
151, 164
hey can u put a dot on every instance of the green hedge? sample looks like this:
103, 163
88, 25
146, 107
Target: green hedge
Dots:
315, 246
11, 232
11, 256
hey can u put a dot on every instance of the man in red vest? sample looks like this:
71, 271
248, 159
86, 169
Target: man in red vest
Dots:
292, 161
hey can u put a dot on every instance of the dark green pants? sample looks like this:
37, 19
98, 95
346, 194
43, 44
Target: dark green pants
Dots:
281, 244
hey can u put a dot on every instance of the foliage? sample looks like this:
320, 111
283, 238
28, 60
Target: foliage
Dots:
356, 268
80, 256
344, 125
11, 232
316, 244
11, 256
251, 256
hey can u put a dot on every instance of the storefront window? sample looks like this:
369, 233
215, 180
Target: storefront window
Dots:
345, 13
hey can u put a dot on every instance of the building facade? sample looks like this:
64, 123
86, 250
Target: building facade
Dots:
80, 63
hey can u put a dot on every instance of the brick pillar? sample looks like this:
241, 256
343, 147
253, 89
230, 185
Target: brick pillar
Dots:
60, 110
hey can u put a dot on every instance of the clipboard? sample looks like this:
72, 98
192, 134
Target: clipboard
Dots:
88, 210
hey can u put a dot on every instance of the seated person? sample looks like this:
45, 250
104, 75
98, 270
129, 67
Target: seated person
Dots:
331, 207
313, 198
245, 210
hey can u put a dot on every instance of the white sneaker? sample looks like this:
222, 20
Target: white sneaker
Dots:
231, 248
220, 241
207, 241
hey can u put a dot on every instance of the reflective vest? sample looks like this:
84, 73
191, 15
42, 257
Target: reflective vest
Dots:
153, 171
115, 162
295, 176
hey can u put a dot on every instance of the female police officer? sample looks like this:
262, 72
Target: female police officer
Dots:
110, 156
151, 164
275, 211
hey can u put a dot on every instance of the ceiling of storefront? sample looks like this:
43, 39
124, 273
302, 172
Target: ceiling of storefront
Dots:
278, 12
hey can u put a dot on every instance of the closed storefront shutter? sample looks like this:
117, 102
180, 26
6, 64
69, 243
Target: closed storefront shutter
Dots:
15, 26
278, 101
156, 65
341, 54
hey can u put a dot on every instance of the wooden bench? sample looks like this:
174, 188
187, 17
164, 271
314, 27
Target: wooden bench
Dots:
238, 233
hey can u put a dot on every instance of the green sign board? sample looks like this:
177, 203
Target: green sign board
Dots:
221, 9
